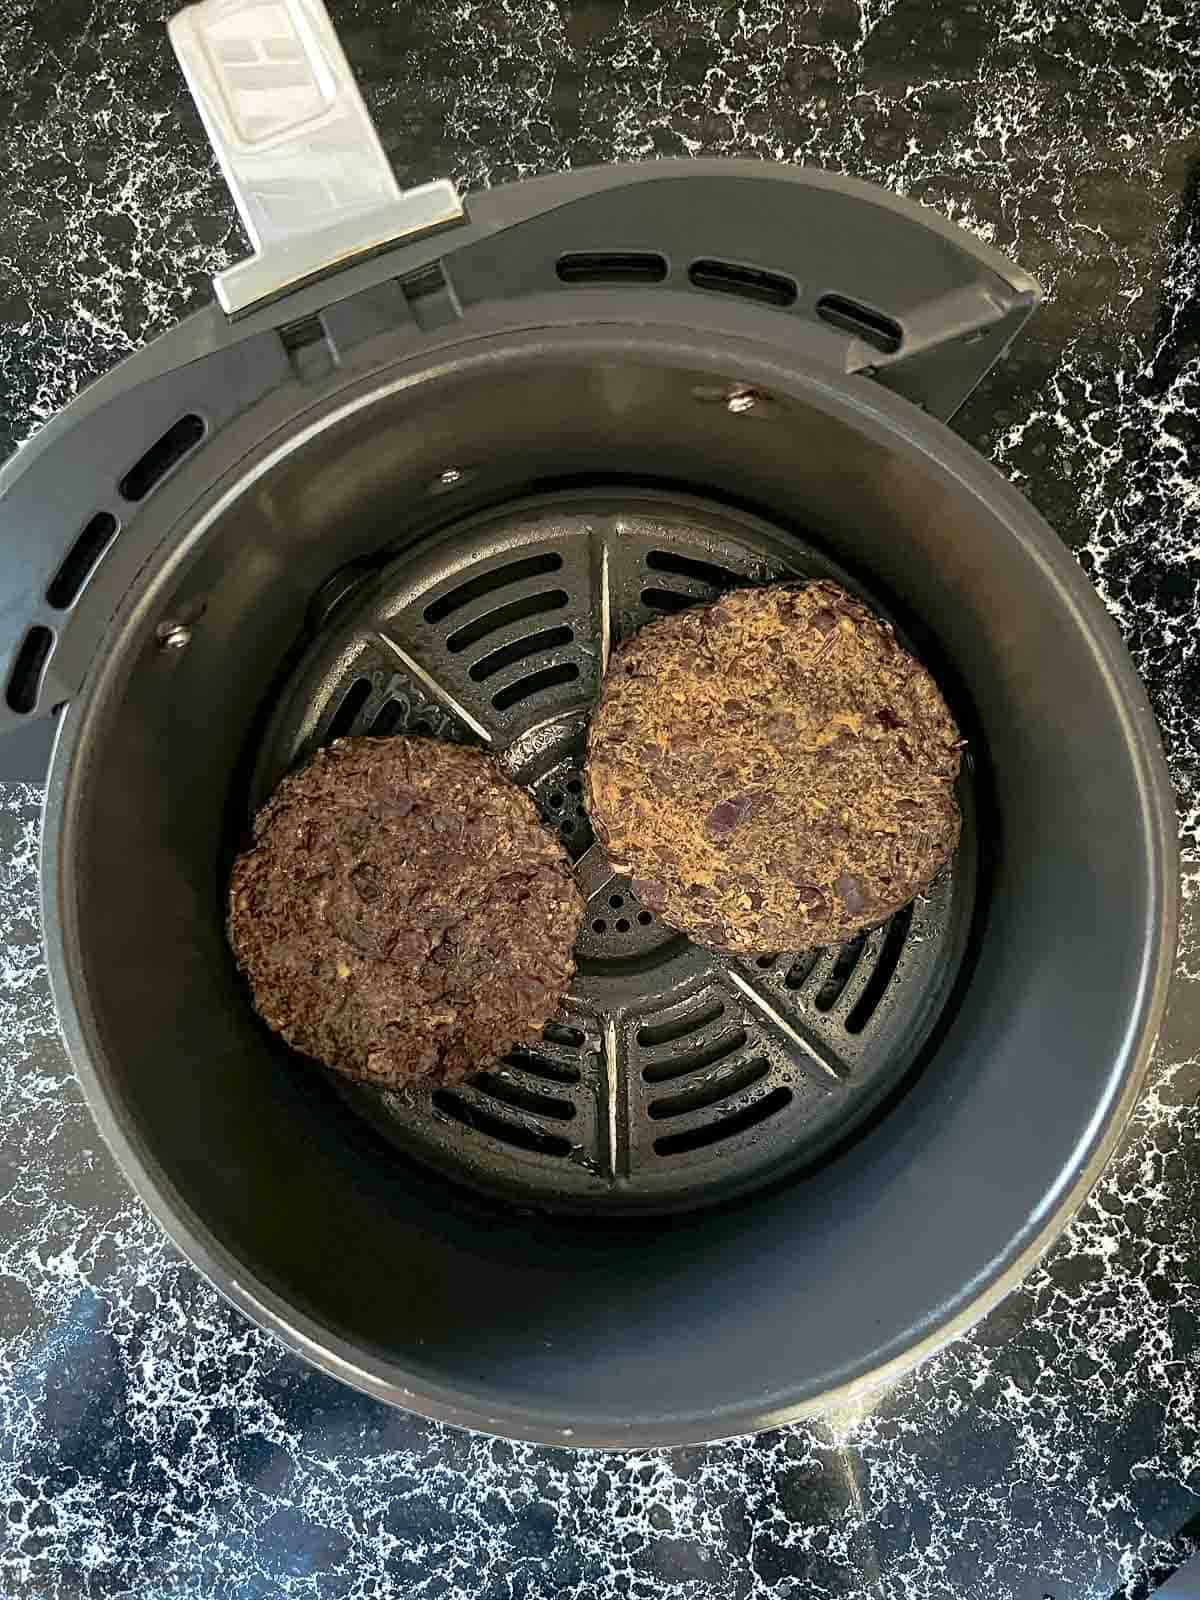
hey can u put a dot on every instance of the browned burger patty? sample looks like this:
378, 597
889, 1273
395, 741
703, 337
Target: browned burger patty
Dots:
774, 771
402, 912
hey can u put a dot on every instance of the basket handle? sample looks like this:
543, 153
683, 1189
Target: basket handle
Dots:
296, 145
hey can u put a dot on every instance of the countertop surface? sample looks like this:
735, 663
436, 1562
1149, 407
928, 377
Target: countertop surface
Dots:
152, 1443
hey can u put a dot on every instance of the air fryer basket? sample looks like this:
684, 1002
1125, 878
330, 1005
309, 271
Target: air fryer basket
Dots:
422, 467
1022, 1014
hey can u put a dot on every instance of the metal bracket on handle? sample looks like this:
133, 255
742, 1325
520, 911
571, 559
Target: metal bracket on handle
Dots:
296, 145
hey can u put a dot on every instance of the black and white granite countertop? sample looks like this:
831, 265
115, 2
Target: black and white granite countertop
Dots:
154, 1444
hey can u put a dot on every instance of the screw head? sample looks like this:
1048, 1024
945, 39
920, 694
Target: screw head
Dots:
174, 635
450, 477
739, 401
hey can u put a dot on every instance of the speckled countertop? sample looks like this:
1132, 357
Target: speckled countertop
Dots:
151, 1442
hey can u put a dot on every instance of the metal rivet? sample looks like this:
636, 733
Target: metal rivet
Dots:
450, 477
174, 635
739, 401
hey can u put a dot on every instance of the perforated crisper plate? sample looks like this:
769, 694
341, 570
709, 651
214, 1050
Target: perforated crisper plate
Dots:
674, 1077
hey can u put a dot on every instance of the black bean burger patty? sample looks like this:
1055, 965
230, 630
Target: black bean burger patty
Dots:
402, 913
774, 771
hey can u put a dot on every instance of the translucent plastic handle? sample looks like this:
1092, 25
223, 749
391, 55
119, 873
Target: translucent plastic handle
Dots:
296, 144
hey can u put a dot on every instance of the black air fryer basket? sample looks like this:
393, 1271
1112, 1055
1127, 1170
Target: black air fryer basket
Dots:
418, 471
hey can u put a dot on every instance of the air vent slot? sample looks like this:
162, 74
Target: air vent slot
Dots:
695, 1060
847, 960
83, 555
25, 679
710, 1092
168, 451
885, 970
387, 719
800, 971
686, 567
481, 1121
873, 327
534, 644
611, 266
748, 283
488, 582
538, 1066
656, 1033
532, 605
559, 1033
535, 683
667, 600
677, 1144
522, 1099
343, 719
